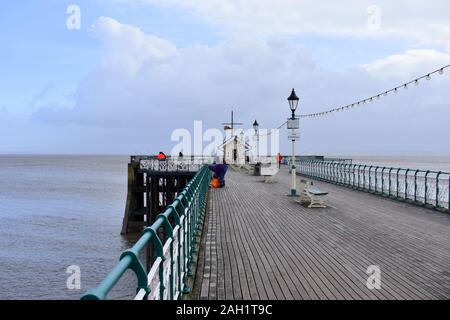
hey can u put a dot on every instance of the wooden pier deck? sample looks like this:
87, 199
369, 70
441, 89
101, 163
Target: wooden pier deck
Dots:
259, 244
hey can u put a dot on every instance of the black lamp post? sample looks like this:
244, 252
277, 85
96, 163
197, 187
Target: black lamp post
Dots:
293, 104
256, 127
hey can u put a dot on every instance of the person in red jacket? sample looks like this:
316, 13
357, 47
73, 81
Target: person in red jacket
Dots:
279, 158
161, 156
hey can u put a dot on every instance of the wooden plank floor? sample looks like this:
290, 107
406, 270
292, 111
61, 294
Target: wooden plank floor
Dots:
260, 244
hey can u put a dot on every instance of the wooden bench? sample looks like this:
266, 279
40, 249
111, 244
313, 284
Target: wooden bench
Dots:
269, 172
312, 195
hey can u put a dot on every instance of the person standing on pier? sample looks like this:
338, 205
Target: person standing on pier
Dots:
279, 158
219, 169
161, 156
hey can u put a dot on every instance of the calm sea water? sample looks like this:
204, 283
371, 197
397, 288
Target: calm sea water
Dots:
437, 163
57, 211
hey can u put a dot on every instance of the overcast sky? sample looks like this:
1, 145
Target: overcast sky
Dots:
138, 69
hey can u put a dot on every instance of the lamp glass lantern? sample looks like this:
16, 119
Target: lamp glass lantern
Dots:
293, 103
256, 126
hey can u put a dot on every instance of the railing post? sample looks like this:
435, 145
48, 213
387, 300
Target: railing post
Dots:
320, 168
359, 175
176, 217
390, 172
330, 171
308, 168
169, 235
349, 174
138, 269
354, 176
313, 166
437, 188
406, 183
426, 187
344, 174
159, 253
364, 177
415, 185
376, 178
188, 228
180, 237
336, 173
186, 249
316, 169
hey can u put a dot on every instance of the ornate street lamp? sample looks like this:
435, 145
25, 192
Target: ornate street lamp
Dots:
293, 103
256, 128
293, 124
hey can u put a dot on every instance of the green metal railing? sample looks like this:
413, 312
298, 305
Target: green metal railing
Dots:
421, 187
181, 224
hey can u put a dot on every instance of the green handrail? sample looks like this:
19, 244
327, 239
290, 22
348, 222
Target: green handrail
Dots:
368, 180
186, 212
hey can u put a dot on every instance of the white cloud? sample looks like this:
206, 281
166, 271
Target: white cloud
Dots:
422, 21
128, 47
147, 87
141, 77
408, 64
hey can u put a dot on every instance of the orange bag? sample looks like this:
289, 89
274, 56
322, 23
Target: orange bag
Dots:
215, 183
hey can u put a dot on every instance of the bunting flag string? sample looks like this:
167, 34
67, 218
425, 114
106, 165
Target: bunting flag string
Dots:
359, 103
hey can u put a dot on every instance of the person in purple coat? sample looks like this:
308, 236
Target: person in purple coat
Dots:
219, 170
